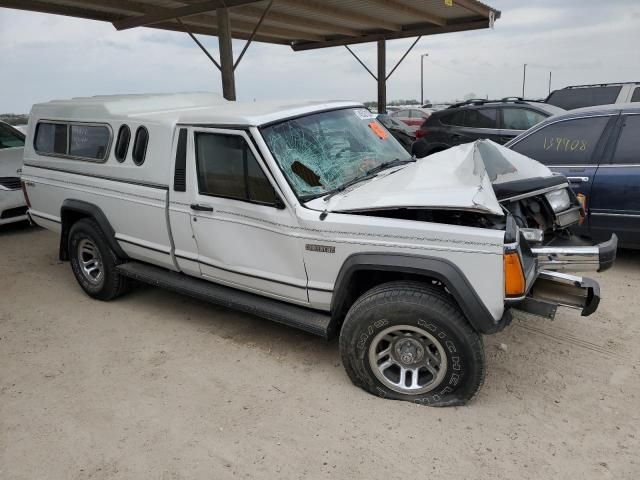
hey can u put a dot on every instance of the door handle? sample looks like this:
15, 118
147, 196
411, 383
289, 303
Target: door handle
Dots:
578, 179
201, 208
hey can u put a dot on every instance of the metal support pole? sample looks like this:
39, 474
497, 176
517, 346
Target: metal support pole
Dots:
403, 57
422, 77
382, 77
253, 34
202, 47
226, 54
549, 83
421, 80
524, 78
361, 62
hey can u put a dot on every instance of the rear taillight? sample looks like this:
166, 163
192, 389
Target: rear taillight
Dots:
420, 133
26, 195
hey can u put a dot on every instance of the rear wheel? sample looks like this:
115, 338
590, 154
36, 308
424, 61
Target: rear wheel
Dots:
410, 341
93, 262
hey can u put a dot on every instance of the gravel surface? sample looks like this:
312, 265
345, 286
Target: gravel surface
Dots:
157, 385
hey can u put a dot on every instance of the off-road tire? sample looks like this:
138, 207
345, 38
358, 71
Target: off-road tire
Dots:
424, 308
111, 284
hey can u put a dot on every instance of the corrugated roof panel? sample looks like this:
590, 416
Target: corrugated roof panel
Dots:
289, 21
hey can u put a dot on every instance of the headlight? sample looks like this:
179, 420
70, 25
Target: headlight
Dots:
559, 200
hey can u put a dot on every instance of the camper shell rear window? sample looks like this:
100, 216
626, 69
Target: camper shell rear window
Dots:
81, 141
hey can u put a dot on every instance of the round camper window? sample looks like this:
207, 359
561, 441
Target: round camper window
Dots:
140, 146
122, 143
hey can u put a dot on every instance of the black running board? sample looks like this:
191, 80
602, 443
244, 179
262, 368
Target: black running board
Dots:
311, 321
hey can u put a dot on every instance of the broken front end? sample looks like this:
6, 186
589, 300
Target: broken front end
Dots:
485, 185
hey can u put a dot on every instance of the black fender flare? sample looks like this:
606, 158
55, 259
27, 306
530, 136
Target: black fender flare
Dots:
440, 269
70, 208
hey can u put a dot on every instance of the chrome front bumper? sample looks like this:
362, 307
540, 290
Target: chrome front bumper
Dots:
554, 289
595, 258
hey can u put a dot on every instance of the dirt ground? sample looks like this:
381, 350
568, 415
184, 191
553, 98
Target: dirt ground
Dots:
156, 385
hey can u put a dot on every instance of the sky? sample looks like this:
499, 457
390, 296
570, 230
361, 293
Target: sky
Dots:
580, 41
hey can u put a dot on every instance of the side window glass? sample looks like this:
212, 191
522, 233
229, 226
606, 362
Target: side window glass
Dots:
122, 143
520, 118
628, 147
139, 151
455, 119
260, 190
571, 142
89, 141
10, 138
481, 118
227, 168
636, 95
570, 98
51, 138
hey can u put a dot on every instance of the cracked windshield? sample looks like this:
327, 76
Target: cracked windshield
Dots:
319, 153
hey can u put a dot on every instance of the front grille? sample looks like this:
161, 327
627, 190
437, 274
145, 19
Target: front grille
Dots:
13, 212
12, 183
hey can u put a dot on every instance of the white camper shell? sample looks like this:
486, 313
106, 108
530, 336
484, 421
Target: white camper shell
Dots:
312, 215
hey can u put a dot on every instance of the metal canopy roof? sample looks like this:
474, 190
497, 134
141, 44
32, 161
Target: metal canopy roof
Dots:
302, 24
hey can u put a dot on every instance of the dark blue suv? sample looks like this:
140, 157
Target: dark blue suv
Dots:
497, 120
598, 150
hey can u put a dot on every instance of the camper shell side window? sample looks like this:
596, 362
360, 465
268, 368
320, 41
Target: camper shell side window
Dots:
76, 140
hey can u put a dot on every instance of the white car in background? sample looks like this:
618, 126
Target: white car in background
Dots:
13, 207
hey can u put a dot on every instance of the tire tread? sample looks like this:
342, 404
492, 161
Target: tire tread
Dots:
415, 293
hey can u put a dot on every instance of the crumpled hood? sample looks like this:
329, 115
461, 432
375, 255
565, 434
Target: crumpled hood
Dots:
459, 178
11, 161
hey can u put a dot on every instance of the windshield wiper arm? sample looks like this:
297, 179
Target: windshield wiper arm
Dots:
390, 164
367, 175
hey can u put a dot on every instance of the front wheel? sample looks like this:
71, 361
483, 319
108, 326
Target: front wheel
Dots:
410, 341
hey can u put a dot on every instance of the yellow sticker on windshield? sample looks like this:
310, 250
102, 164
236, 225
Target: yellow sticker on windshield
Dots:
378, 130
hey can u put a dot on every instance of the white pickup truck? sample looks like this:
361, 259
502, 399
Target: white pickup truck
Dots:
312, 215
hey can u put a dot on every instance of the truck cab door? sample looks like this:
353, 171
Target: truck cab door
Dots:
246, 235
181, 191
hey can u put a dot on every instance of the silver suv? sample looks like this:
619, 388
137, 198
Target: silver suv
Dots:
578, 96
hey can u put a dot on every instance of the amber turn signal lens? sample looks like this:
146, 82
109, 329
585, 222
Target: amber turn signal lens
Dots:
582, 199
514, 283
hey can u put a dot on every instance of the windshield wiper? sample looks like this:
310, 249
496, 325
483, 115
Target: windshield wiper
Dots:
368, 175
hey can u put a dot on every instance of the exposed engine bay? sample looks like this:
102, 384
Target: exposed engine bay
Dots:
536, 215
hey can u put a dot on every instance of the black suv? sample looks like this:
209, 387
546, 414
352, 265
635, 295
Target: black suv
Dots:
497, 120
